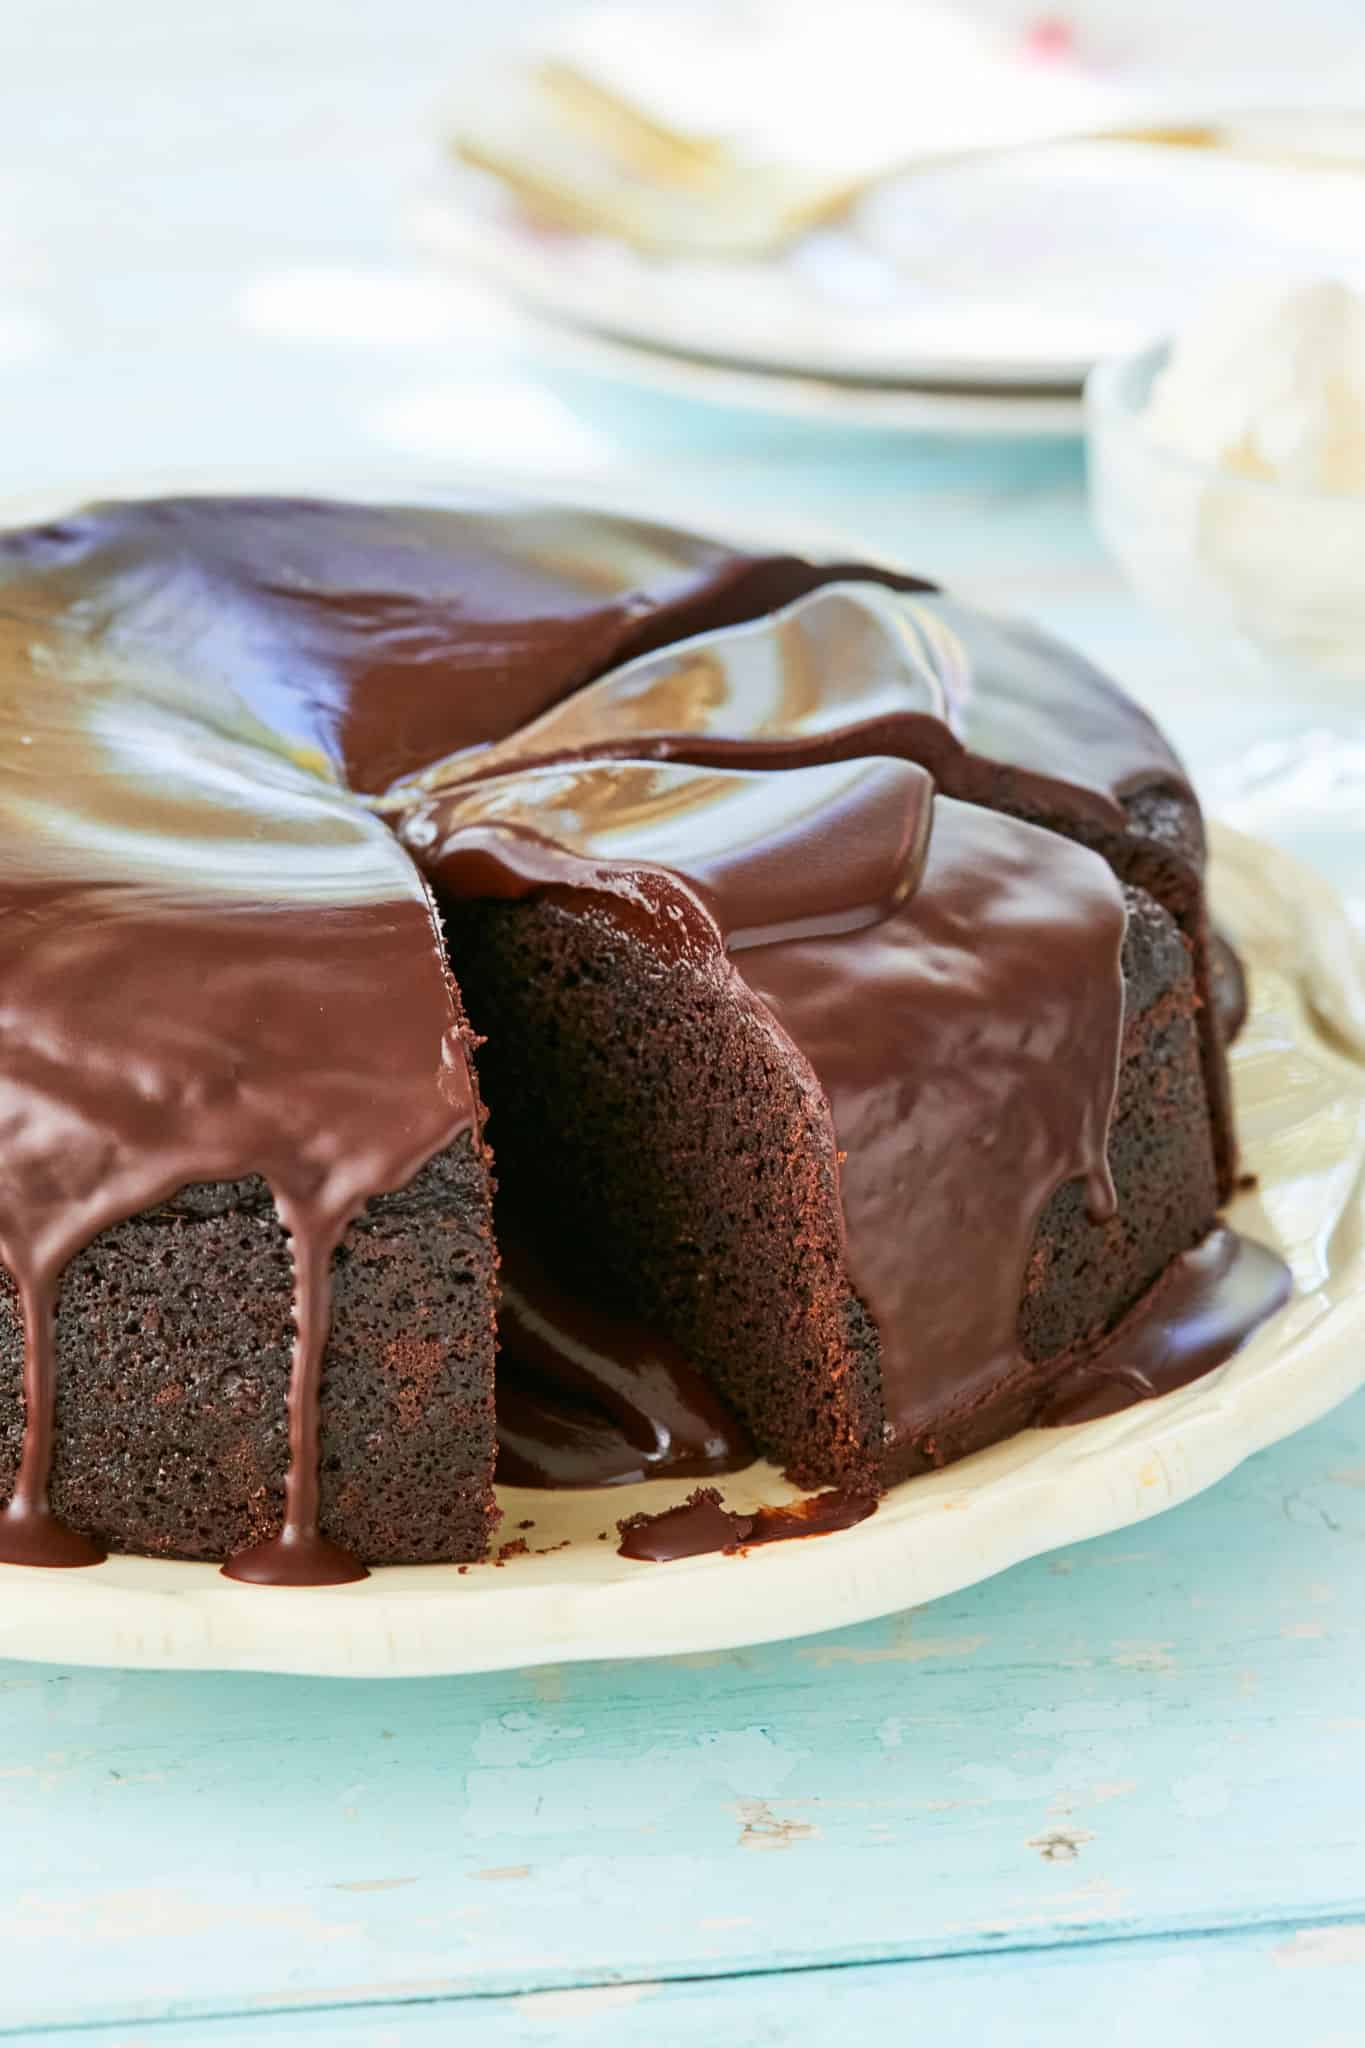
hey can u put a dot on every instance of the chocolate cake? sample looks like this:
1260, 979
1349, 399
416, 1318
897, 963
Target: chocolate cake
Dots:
832, 960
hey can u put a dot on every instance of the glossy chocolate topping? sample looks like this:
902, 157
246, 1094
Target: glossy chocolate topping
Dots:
216, 960
1038, 708
981, 1077
980, 958
736, 858
1206, 1305
588, 1397
827, 676
379, 638
854, 669
1230, 994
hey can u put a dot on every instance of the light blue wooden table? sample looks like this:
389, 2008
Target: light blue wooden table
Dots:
1117, 1795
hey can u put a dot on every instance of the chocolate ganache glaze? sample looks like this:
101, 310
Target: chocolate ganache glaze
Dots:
377, 639
216, 963
1000, 714
855, 668
220, 961
588, 1397
1203, 1308
838, 672
703, 1524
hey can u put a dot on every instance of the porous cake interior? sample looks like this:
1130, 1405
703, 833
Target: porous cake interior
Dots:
174, 1443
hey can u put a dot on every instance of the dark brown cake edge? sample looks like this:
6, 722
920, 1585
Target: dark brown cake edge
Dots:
174, 1334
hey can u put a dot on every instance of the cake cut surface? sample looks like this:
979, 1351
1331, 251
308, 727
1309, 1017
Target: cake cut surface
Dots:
844, 1000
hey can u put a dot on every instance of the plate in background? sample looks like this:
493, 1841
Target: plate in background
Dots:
1009, 276
975, 413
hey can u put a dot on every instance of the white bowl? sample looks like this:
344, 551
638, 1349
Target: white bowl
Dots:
1268, 578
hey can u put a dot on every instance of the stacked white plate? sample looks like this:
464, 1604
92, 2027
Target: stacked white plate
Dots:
970, 298
966, 294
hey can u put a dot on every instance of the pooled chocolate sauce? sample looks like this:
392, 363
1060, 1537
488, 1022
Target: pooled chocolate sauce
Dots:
588, 1397
1229, 987
1209, 1302
702, 1524
1203, 1309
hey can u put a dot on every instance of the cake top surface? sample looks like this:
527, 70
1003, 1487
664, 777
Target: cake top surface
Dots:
851, 668
379, 639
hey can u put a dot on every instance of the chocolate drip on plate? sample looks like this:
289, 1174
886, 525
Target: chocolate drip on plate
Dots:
300, 1555
1230, 996
29, 1531
702, 1524
1204, 1308
588, 1397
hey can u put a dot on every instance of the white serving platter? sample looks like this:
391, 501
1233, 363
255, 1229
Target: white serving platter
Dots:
1299, 1075
567, 338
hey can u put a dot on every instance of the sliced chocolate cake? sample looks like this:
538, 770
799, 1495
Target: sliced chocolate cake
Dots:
843, 967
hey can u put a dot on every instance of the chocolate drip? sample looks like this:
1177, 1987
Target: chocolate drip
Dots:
702, 1525
299, 1555
1202, 1310
29, 1531
588, 1397
981, 1079
1229, 987
320, 1049
212, 964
